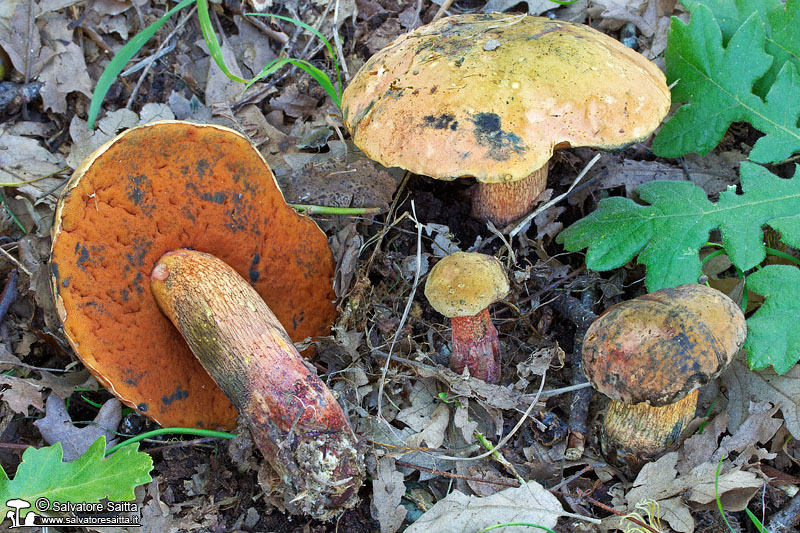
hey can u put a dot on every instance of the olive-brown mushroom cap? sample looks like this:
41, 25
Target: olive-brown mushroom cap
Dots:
491, 96
157, 188
464, 284
658, 347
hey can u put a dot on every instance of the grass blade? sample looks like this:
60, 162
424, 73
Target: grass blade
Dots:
125, 54
322, 38
212, 42
318, 76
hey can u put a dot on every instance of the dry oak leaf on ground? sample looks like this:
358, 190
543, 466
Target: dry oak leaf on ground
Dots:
459, 513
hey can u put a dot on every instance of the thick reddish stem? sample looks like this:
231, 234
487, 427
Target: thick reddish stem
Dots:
476, 346
505, 202
294, 419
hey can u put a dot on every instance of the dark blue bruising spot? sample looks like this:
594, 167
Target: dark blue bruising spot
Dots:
178, 395
200, 424
202, 168
393, 92
442, 122
297, 320
137, 190
143, 407
217, 197
141, 246
137, 283
253, 272
458, 62
66, 281
134, 190
186, 212
489, 132
126, 295
89, 255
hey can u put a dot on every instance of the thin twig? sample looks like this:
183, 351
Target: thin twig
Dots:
409, 302
512, 230
139, 82
442, 10
15, 261
9, 295
618, 513
436, 472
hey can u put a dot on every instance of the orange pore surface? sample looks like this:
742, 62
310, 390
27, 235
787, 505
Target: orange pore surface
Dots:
153, 189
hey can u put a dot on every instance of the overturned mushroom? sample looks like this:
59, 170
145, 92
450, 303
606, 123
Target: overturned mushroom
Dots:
461, 286
173, 185
490, 96
649, 355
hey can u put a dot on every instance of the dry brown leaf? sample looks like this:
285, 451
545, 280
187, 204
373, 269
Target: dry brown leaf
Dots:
535, 7
388, 490
294, 103
758, 428
661, 482
20, 394
434, 432
63, 74
745, 385
57, 426
220, 88
458, 513
23, 159
424, 401
333, 182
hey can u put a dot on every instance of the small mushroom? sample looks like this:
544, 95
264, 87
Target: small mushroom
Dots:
490, 96
649, 355
461, 286
172, 185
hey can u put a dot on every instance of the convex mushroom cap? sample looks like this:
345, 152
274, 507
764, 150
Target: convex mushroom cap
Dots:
160, 187
658, 347
492, 95
464, 284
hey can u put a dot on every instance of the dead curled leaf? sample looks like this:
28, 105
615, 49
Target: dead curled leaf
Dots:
57, 426
459, 513
745, 385
388, 490
21, 394
661, 482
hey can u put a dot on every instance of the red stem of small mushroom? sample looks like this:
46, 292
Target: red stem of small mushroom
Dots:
476, 346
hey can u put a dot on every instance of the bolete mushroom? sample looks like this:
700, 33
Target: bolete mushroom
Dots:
461, 286
649, 355
490, 96
172, 185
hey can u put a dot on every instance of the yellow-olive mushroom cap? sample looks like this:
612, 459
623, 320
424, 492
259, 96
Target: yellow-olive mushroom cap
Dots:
464, 284
491, 96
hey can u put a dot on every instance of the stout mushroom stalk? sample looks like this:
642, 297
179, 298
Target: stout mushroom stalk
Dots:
294, 419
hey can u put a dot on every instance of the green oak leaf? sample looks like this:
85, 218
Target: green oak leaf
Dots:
769, 340
717, 82
782, 40
90, 478
669, 232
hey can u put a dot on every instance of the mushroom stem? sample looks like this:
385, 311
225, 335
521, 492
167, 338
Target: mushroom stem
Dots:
507, 201
294, 419
476, 346
636, 434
